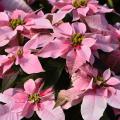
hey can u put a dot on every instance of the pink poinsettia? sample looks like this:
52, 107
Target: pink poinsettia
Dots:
10, 109
79, 7
72, 43
98, 24
23, 57
5, 64
96, 91
105, 43
107, 37
7, 112
20, 22
39, 41
31, 98
42, 37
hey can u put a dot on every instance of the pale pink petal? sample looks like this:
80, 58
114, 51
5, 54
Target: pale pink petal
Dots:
19, 28
63, 5
65, 28
6, 113
113, 81
89, 42
103, 9
57, 17
40, 13
83, 11
6, 35
85, 71
70, 97
47, 112
90, 85
28, 61
87, 52
97, 22
92, 59
38, 41
111, 91
20, 97
39, 84
46, 93
75, 15
3, 17
5, 98
79, 27
29, 86
67, 8
74, 60
114, 100
93, 8
107, 47
18, 13
55, 49
93, 106
3, 42
12, 91
82, 83
7, 65
102, 92
105, 43
3, 59
107, 74
28, 110
39, 23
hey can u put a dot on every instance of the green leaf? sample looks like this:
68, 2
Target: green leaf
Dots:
23, 78
110, 3
53, 68
9, 79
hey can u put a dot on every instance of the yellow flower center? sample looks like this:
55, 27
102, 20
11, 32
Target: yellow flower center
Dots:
77, 39
20, 52
16, 22
79, 3
99, 81
34, 98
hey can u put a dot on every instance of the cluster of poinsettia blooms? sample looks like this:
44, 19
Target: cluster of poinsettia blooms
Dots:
27, 36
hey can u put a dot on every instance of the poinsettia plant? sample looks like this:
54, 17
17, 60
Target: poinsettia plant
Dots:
59, 60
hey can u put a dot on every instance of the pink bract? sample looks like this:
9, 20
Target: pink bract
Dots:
71, 42
20, 22
74, 41
23, 57
96, 92
79, 8
32, 98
